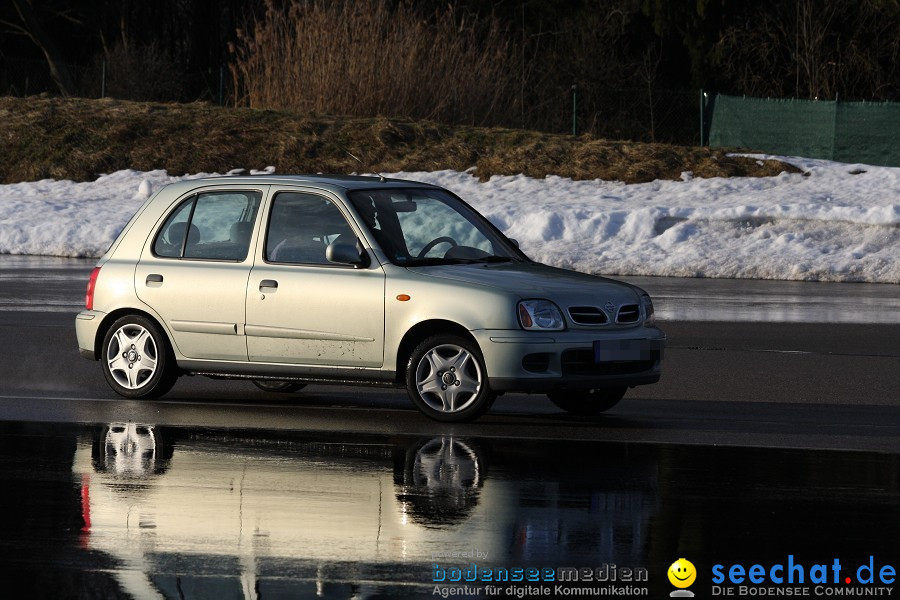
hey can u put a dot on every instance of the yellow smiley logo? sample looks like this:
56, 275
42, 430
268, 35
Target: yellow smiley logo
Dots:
682, 573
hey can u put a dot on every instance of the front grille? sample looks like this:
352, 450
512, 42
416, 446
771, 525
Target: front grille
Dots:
629, 313
581, 362
588, 315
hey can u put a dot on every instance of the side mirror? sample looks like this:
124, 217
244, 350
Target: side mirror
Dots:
514, 242
344, 254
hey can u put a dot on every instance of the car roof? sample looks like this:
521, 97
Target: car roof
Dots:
342, 182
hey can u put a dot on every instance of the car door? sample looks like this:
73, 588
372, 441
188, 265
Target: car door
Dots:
193, 272
303, 309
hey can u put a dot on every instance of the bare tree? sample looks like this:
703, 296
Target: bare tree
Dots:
32, 26
814, 54
649, 68
814, 49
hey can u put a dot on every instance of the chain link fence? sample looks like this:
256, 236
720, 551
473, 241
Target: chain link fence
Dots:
123, 77
666, 116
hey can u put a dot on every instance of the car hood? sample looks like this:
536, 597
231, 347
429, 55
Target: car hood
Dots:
535, 280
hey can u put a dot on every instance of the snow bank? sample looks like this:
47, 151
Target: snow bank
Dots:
835, 222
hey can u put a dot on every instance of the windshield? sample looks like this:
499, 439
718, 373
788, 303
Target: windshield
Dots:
418, 227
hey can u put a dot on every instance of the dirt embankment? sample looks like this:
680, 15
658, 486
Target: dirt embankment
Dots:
78, 139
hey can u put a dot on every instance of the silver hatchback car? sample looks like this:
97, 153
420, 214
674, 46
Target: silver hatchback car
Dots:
290, 280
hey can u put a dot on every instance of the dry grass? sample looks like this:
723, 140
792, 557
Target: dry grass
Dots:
78, 139
376, 57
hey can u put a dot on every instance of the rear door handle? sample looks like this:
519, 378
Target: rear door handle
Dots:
154, 278
268, 286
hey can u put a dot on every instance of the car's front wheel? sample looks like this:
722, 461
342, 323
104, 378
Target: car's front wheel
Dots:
279, 387
587, 402
447, 380
137, 362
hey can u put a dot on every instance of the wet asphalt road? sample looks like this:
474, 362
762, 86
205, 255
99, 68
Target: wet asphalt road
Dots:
124, 510
795, 381
775, 432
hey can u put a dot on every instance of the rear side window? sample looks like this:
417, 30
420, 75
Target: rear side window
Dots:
301, 226
170, 241
214, 226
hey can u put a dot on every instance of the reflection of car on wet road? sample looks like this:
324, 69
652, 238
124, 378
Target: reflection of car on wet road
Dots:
292, 280
237, 509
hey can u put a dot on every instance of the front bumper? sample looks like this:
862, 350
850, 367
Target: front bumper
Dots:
87, 323
525, 361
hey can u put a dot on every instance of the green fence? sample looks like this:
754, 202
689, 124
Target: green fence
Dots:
863, 132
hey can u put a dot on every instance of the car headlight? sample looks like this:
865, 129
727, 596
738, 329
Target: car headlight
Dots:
647, 308
540, 315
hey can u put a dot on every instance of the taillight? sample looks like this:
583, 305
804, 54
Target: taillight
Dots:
89, 296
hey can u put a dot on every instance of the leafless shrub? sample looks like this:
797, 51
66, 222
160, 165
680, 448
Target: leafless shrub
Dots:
814, 49
141, 72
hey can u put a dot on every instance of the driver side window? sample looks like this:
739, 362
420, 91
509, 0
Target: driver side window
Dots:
301, 226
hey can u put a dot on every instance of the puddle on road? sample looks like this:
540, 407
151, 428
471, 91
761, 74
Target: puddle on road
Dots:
770, 301
135, 510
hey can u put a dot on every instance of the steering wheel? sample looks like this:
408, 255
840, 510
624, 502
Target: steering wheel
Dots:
427, 248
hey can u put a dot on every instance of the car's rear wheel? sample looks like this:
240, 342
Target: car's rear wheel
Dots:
447, 380
137, 361
587, 402
278, 387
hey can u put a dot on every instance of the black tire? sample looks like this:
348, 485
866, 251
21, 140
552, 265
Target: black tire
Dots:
587, 402
278, 387
432, 366
136, 358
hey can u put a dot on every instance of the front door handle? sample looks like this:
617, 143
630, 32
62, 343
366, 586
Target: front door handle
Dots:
154, 278
268, 286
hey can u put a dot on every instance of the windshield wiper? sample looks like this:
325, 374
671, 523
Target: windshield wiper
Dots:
423, 262
420, 262
495, 259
